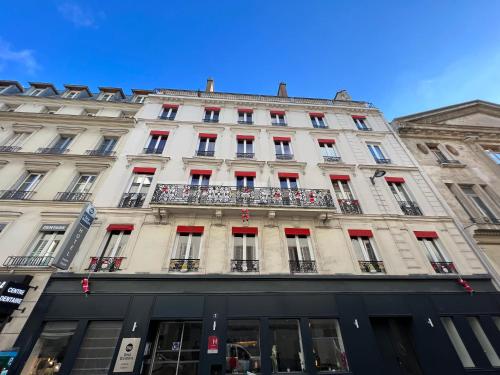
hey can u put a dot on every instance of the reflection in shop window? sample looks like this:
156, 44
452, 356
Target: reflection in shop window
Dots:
48, 353
287, 354
329, 352
243, 347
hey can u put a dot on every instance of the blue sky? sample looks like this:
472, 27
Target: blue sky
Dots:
404, 56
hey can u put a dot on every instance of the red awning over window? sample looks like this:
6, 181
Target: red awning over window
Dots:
208, 135
203, 172
395, 179
297, 232
279, 113
340, 177
245, 230
244, 174
326, 141
168, 106
120, 227
282, 139
144, 170
245, 110
317, 114
159, 132
425, 234
190, 229
212, 109
288, 175
360, 233
245, 137
358, 116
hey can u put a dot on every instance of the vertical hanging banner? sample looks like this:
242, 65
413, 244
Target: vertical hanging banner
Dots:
75, 237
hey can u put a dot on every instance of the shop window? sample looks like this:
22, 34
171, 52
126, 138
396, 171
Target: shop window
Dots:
328, 346
457, 342
287, 353
484, 341
243, 347
49, 351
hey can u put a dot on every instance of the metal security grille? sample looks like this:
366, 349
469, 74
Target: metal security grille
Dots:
97, 349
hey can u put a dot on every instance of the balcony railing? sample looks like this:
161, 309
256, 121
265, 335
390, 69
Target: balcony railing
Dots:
206, 119
245, 122
234, 196
372, 266
320, 126
68, 196
99, 152
240, 265
105, 264
9, 148
303, 266
184, 265
52, 150
332, 159
152, 150
350, 206
364, 129
205, 153
410, 208
132, 200
279, 124
28, 261
245, 155
383, 161
170, 118
284, 156
444, 267
445, 161
16, 194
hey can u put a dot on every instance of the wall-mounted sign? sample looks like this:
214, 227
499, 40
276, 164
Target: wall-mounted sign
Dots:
213, 345
127, 354
12, 294
54, 228
6, 359
74, 239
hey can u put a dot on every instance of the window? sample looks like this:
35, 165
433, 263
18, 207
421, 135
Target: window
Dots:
211, 114
378, 154
283, 148
328, 150
2, 227
441, 156
15, 142
245, 179
289, 180
139, 187
141, 182
457, 342
245, 249
106, 146
478, 202
169, 112
140, 99
45, 244
300, 250
200, 177
484, 341
328, 346
369, 261
287, 353
360, 122
156, 142
73, 94
317, 120
245, 116
116, 240
345, 197
206, 145
278, 118
243, 347
61, 143
245, 146
107, 96
493, 152
186, 254
37, 92
403, 198
83, 183
434, 252
26, 186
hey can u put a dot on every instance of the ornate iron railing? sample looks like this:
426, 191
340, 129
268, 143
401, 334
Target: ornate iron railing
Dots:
444, 267
171, 117
410, 208
350, 206
52, 150
245, 155
284, 156
332, 159
206, 119
68, 196
105, 264
245, 122
383, 161
152, 150
320, 126
372, 266
28, 261
240, 265
184, 265
279, 124
234, 196
16, 194
99, 152
303, 266
132, 200
205, 153
9, 148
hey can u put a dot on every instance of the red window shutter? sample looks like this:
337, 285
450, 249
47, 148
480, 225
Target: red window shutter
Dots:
212, 109
282, 139
245, 230
425, 234
190, 229
203, 172
245, 110
245, 174
317, 114
120, 227
297, 232
340, 177
326, 141
159, 132
395, 179
144, 170
288, 175
168, 106
208, 135
245, 137
279, 113
360, 233
358, 116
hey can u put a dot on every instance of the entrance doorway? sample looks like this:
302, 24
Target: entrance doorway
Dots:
176, 349
395, 342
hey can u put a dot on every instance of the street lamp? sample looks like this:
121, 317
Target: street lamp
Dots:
378, 173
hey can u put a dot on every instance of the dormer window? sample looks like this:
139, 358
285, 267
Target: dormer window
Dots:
140, 99
73, 94
107, 96
36, 92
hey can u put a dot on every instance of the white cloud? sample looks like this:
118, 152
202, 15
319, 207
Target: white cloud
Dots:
23, 58
79, 16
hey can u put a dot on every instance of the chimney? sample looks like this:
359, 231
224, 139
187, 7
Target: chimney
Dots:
282, 90
210, 85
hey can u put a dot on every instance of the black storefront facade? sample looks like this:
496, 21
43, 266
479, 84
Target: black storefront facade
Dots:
188, 324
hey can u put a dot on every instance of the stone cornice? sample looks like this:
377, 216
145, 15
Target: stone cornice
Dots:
52, 101
148, 158
31, 156
209, 162
248, 163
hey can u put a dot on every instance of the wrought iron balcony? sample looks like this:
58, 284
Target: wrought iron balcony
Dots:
284, 156
152, 150
372, 266
444, 267
28, 261
279, 124
132, 200
350, 206
52, 150
105, 264
9, 148
320, 126
240, 265
100, 152
205, 153
410, 208
383, 161
332, 159
234, 196
245, 122
184, 265
170, 118
206, 119
303, 266
68, 196
365, 129
245, 155
16, 194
